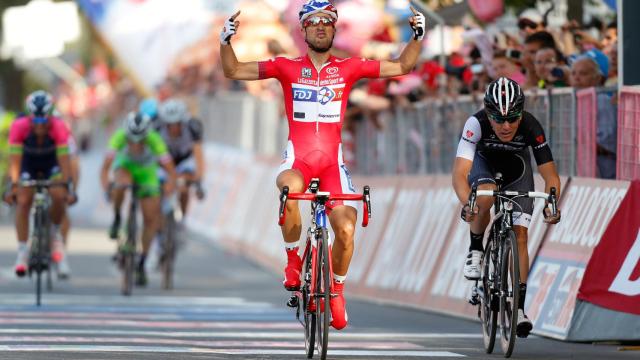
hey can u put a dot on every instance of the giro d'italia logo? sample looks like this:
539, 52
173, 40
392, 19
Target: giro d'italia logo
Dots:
325, 95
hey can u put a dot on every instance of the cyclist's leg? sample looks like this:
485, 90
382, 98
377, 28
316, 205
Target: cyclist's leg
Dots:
482, 175
121, 178
57, 212
294, 174
185, 170
146, 177
24, 198
342, 216
521, 180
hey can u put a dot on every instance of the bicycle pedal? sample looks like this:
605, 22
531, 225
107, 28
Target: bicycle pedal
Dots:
474, 300
293, 302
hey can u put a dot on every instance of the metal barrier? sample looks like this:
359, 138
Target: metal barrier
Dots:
423, 138
628, 160
586, 111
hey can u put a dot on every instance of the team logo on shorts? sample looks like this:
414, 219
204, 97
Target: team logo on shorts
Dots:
306, 72
325, 95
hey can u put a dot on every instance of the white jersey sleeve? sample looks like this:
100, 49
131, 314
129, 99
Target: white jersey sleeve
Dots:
471, 134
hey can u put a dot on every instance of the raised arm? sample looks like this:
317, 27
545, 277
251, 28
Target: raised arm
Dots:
409, 56
233, 69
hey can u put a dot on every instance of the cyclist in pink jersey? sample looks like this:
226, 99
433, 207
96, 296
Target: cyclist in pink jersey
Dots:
316, 88
38, 148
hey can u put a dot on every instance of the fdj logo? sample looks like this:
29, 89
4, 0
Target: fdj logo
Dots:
304, 95
325, 95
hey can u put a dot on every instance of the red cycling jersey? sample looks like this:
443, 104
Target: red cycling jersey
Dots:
315, 101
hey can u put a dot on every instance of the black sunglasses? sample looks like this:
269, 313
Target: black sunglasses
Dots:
501, 120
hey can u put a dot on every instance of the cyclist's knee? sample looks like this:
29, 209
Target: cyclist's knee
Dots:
345, 231
122, 177
291, 178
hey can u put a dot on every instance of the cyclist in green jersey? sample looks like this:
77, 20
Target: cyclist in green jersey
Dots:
135, 152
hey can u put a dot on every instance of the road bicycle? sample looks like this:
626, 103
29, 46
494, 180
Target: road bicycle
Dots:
40, 251
172, 215
317, 272
499, 290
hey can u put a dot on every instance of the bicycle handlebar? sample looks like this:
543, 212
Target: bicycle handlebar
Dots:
365, 197
551, 198
41, 183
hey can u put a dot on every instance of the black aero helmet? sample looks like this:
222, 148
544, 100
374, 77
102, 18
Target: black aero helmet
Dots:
504, 99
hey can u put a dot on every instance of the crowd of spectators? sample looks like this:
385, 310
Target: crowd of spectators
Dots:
536, 56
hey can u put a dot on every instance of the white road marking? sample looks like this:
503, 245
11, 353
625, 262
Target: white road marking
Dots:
141, 301
132, 349
244, 334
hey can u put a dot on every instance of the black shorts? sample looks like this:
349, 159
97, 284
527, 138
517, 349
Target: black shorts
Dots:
516, 175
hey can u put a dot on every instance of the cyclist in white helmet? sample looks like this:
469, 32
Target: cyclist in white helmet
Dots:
134, 153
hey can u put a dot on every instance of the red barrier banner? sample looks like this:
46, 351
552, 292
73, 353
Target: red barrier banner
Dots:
587, 206
612, 277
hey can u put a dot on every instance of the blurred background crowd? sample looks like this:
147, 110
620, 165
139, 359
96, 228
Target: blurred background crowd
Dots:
115, 53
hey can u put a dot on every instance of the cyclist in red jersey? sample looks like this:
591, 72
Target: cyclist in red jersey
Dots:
316, 88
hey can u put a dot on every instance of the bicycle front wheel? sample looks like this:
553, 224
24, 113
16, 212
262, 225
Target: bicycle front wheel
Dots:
510, 293
128, 252
309, 316
169, 252
488, 312
323, 291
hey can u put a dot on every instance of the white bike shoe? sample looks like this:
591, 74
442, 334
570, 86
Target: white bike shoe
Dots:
472, 265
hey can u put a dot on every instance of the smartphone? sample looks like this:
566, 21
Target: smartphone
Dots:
477, 68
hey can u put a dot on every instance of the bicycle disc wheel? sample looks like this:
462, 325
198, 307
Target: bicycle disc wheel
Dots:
510, 290
309, 316
488, 315
169, 252
323, 289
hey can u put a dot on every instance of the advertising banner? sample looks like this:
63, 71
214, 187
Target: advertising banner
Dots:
612, 277
587, 206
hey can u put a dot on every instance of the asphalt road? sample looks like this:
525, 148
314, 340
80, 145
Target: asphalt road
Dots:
223, 307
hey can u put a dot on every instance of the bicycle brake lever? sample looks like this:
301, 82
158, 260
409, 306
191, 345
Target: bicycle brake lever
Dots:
283, 203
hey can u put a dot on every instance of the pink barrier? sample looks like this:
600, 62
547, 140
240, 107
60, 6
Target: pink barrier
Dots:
628, 165
586, 114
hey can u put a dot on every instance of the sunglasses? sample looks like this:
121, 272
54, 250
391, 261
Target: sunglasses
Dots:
316, 20
526, 23
501, 120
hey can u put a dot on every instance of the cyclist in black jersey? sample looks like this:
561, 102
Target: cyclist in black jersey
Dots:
494, 140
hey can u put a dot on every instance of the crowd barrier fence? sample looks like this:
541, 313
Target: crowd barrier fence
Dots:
628, 163
423, 137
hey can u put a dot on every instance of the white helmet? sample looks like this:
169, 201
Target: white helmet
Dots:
137, 126
173, 111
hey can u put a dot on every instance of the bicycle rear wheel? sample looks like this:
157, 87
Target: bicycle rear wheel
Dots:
309, 316
323, 291
488, 313
510, 293
169, 251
